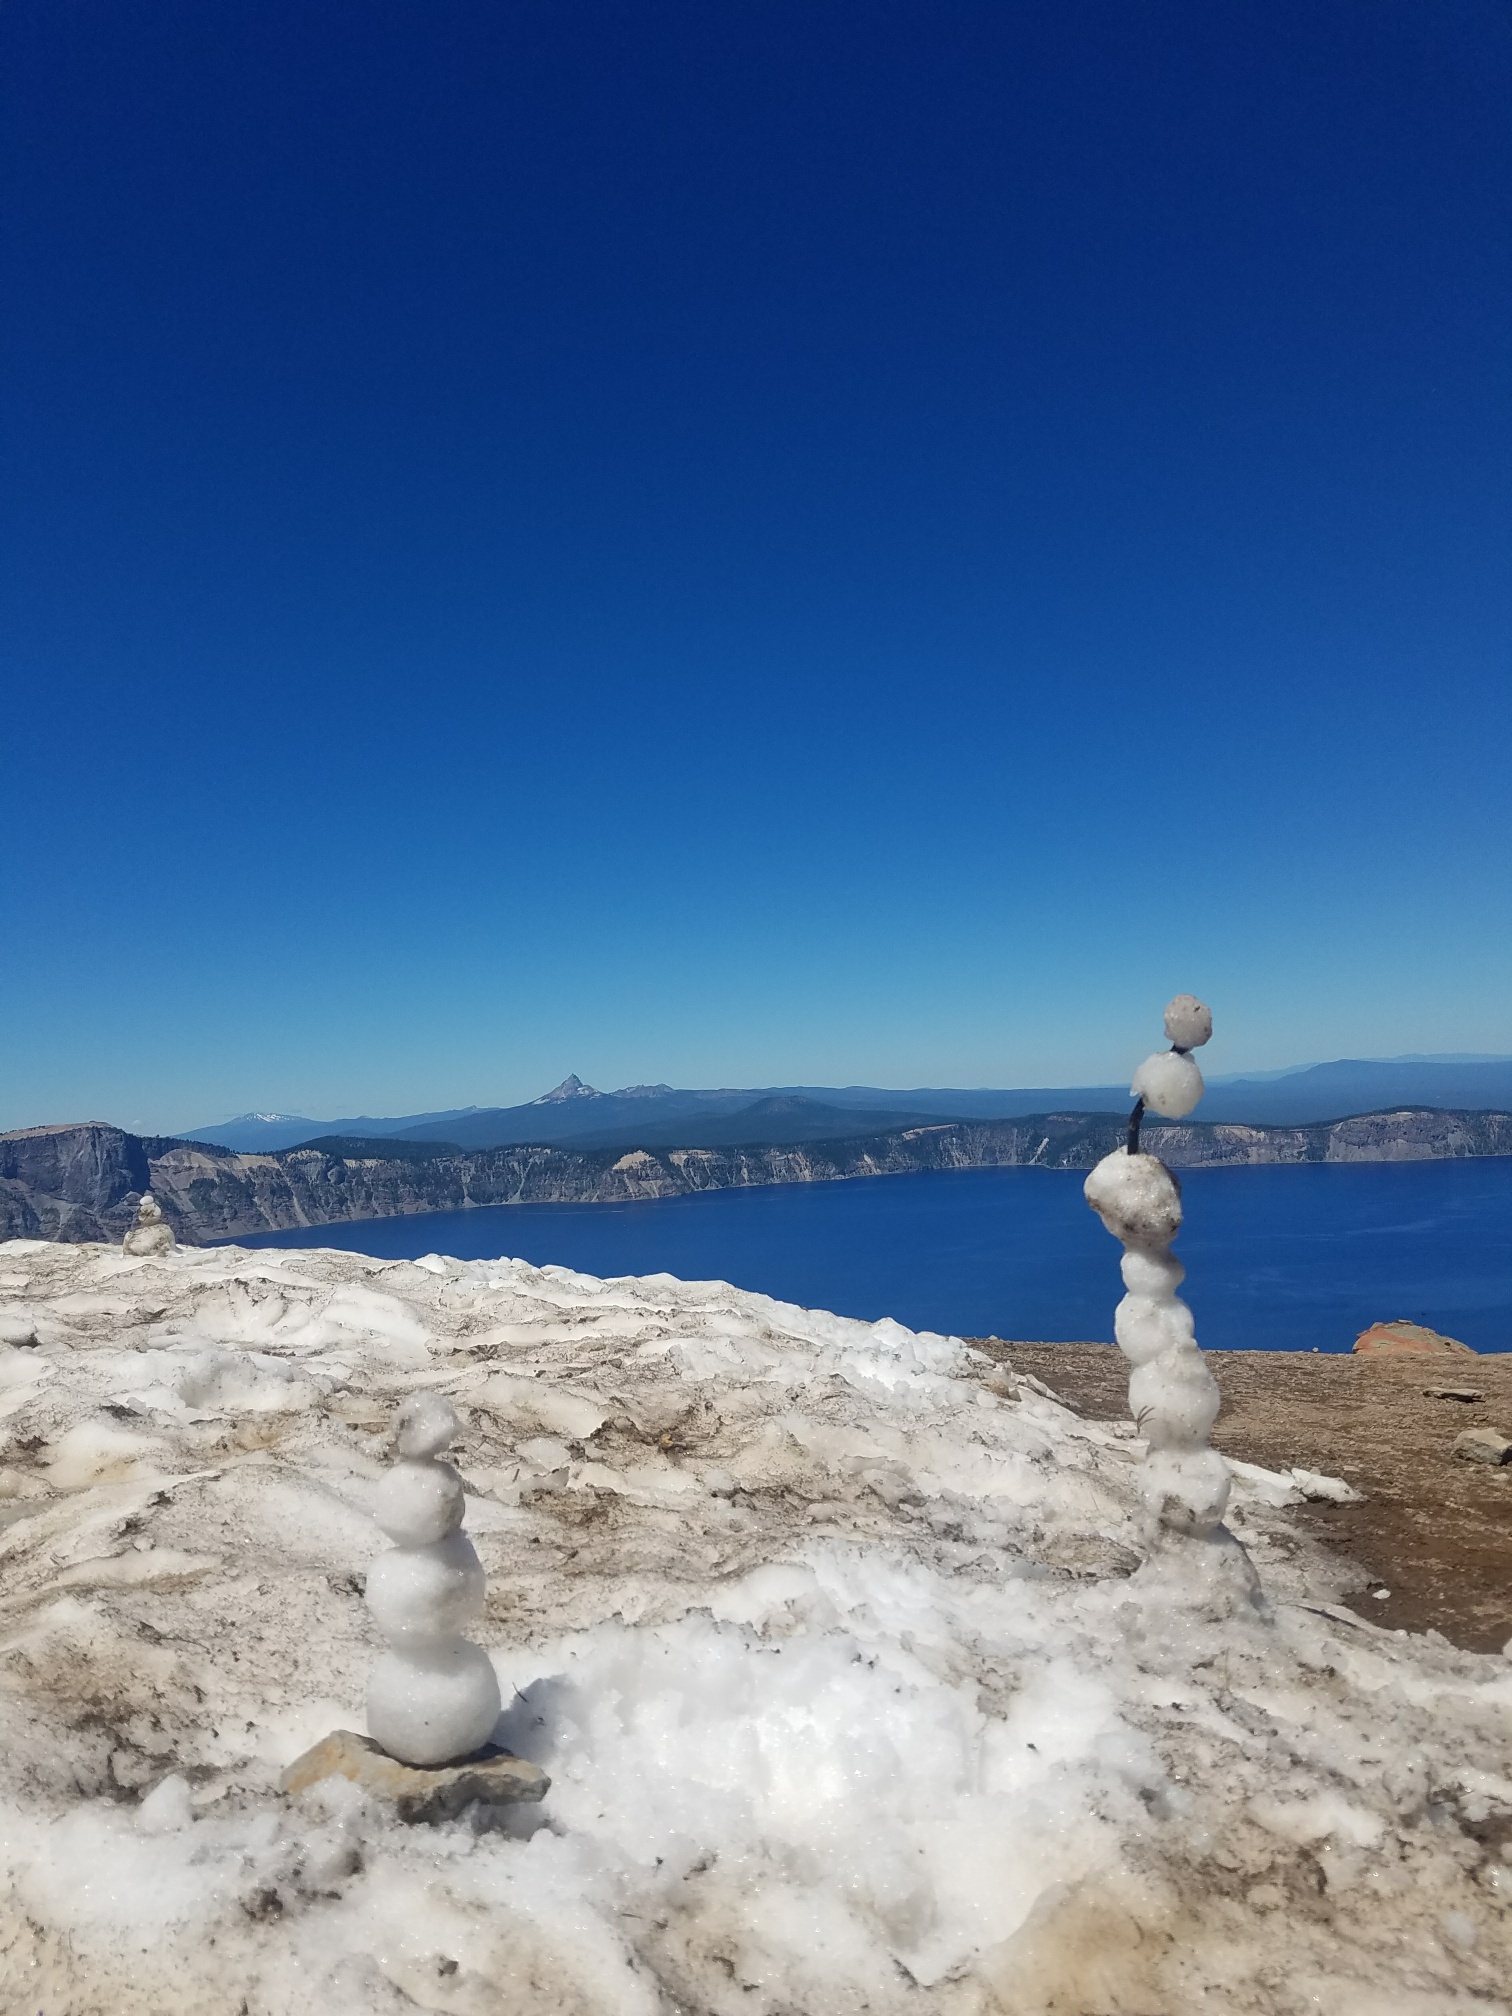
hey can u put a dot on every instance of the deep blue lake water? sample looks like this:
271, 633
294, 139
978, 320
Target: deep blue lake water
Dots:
1279, 1259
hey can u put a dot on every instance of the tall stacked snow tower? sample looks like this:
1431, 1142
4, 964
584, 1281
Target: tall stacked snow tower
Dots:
1173, 1397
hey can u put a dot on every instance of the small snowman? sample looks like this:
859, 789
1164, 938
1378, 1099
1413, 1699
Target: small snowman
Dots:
1172, 1395
151, 1233
433, 1698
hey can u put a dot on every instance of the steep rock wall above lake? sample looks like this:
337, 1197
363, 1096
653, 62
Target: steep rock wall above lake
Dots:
84, 1182
75, 1182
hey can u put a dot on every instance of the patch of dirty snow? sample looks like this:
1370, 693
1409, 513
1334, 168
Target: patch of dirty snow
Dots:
852, 1690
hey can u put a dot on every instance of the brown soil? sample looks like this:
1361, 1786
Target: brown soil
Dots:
1434, 1531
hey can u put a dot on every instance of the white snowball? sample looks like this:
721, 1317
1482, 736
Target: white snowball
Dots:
1151, 1271
1169, 1083
418, 1503
429, 1592
425, 1425
167, 1809
433, 1705
1188, 1023
1186, 1489
1174, 1400
1146, 1329
1136, 1197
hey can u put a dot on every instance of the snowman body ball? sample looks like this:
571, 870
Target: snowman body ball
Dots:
433, 1697
151, 1234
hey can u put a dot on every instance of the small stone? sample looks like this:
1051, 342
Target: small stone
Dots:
1483, 1445
1401, 1338
493, 1777
1468, 1394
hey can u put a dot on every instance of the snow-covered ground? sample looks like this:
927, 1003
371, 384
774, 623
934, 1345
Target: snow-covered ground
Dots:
833, 1653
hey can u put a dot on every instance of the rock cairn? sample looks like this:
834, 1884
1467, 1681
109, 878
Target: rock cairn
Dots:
1172, 1395
151, 1233
433, 1697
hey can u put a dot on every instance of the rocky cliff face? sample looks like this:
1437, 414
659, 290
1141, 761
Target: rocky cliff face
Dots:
79, 1182
84, 1182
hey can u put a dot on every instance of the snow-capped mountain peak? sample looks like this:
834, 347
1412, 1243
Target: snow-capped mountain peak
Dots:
571, 1087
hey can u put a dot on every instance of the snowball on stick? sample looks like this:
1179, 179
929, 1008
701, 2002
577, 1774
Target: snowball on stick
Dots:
1169, 1082
1172, 1394
433, 1697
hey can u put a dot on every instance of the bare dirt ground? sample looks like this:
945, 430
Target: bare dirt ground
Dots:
1435, 1532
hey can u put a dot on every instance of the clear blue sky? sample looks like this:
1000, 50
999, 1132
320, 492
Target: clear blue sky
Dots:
747, 543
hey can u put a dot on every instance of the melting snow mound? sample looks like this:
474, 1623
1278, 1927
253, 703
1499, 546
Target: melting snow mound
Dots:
851, 1695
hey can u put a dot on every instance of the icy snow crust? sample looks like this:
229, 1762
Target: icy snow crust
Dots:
850, 1699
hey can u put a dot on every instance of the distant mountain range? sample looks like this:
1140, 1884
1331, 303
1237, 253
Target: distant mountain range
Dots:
657, 1116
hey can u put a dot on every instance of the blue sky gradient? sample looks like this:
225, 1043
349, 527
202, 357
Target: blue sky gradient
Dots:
747, 544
